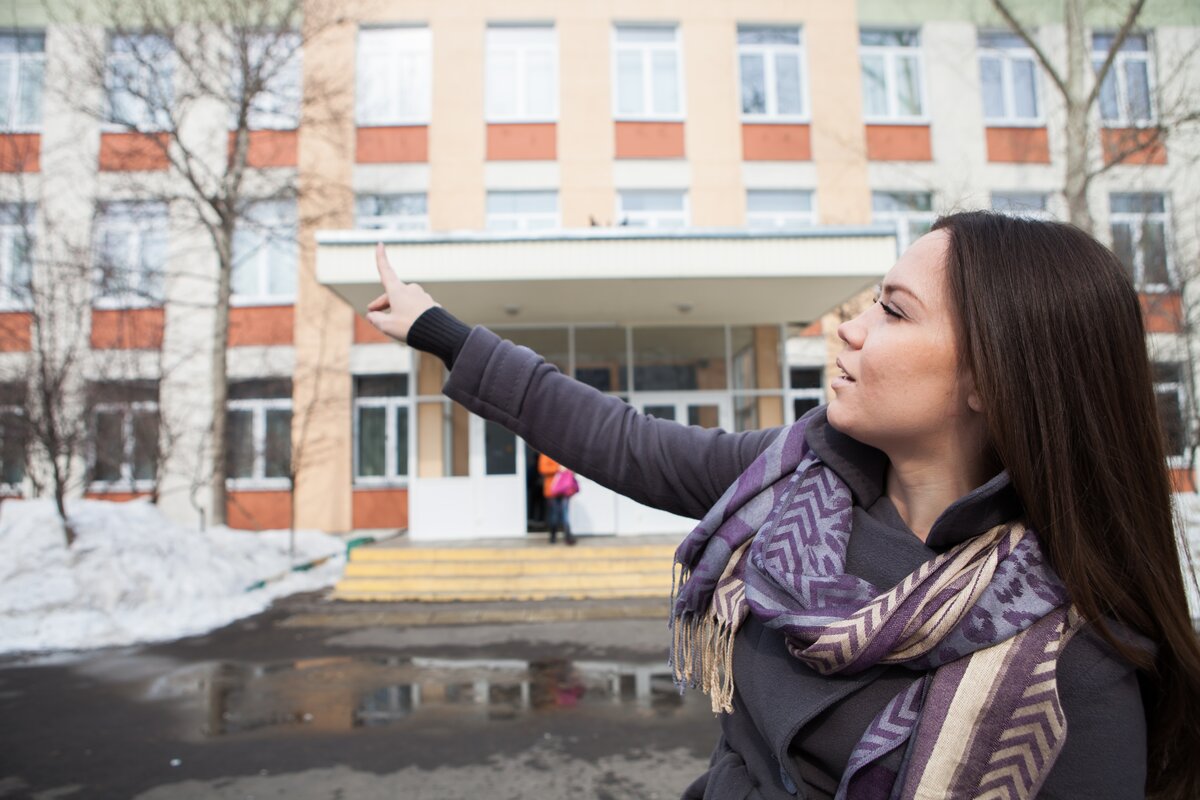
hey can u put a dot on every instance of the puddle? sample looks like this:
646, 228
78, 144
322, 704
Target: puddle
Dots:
346, 693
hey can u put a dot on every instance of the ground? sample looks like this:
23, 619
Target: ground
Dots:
313, 699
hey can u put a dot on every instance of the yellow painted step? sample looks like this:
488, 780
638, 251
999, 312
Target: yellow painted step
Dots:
521, 554
506, 568
507, 584
491, 596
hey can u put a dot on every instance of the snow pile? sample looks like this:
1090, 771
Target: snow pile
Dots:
134, 576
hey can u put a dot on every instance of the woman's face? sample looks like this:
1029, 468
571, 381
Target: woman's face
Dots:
899, 388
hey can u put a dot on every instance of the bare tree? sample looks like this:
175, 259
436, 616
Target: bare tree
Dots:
173, 75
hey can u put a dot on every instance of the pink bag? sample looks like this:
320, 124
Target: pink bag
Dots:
564, 484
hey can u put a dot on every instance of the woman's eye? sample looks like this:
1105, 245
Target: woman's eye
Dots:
891, 312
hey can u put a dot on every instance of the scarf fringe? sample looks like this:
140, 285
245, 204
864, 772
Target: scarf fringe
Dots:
702, 652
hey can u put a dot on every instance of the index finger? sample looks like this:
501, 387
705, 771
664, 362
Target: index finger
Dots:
386, 273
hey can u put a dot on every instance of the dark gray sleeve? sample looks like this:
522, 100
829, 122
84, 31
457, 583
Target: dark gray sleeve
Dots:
660, 463
1104, 756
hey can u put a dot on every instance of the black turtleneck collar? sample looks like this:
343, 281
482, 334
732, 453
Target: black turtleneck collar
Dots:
864, 469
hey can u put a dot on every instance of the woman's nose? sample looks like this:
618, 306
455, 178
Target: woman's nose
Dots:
851, 332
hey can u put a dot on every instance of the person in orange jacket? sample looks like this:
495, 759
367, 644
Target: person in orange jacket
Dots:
556, 506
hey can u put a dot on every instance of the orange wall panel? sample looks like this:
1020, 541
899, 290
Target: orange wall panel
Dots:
522, 142
1133, 146
366, 333
20, 152
264, 510
133, 152
261, 325
392, 145
381, 508
127, 329
269, 148
776, 143
899, 143
1162, 313
15, 331
1018, 145
649, 139
1183, 480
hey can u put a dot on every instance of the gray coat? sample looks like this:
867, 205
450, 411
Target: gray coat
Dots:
792, 730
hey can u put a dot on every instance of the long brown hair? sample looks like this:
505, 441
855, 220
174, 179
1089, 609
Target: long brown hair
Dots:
1051, 331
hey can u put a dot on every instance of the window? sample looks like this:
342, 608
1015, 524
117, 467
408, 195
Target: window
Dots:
124, 434
805, 389
911, 213
1172, 407
258, 433
648, 79
394, 76
1008, 72
522, 211
273, 62
392, 212
265, 253
14, 436
131, 254
22, 75
779, 208
381, 413
1021, 204
771, 63
1126, 94
1141, 239
16, 248
891, 75
652, 209
139, 81
522, 74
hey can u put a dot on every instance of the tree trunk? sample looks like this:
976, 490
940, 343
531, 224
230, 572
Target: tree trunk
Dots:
220, 380
1078, 121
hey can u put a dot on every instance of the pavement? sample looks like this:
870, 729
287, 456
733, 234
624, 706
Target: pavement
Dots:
321, 699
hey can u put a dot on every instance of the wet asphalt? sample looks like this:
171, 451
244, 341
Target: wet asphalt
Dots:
315, 699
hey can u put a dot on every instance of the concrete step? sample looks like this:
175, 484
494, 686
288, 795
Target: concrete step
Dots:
495, 597
586, 551
507, 568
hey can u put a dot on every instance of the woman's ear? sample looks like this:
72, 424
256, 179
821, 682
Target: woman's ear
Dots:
974, 402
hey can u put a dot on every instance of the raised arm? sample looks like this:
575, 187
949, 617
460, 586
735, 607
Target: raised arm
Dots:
660, 463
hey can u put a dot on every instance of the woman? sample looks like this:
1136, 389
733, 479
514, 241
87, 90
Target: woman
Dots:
958, 579
557, 504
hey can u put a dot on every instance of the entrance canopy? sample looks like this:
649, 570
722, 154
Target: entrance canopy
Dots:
618, 275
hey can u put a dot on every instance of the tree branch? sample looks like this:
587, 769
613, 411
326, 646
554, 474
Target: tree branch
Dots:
1122, 33
1042, 58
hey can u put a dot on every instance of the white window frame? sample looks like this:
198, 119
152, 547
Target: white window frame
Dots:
521, 52
768, 220
890, 53
647, 50
654, 219
258, 408
12, 92
277, 105
9, 488
128, 443
1135, 222
1008, 57
768, 53
1179, 387
161, 74
391, 476
524, 220
901, 219
134, 219
1117, 72
392, 222
408, 41
271, 220
10, 232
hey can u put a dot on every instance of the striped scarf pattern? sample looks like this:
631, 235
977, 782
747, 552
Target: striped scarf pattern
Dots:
981, 626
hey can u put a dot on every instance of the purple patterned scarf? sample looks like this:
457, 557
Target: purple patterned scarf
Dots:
981, 626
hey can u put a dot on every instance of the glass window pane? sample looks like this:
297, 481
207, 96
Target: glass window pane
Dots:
372, 442
704, 415
1137, 88
381, 386
657, 411
502, 83
651, 201
754, 84
1154, 254
402, 441
1170, 415
1108, 95
997, 40
745, 413
31, 92
678, 359
787, 83
649, 34
766, 200
600, 358
1025, 89
540, 83
1122, 235
666, 82
13, 437
551, 344
282, 273
261, 389
500, 449
991, 74
278, 447
764, 35
874, 86
110, 446
239, 444
630, 99
7, 67
908, 89
145, 445
802, 405
805, 377
755, 357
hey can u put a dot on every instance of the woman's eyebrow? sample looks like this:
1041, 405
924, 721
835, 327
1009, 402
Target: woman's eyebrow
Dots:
892, 288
